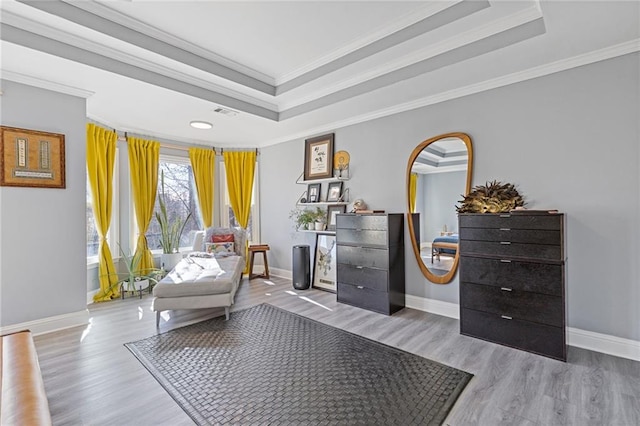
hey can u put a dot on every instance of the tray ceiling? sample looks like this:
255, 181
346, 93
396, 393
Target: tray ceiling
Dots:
293, 69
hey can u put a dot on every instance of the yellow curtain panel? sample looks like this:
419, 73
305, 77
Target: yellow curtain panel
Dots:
144, 157
101, 155
240, 167
203, 163
413, 184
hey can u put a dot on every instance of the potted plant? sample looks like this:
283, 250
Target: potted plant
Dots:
320, 219
170, 233
302, 218
134, 280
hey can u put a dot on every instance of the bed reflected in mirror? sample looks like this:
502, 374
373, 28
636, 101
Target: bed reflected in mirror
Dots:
438, 175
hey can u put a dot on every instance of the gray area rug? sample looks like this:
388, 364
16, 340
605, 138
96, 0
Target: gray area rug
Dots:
269, 366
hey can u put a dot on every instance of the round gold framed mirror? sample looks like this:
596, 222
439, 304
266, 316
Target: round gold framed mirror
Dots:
438, 176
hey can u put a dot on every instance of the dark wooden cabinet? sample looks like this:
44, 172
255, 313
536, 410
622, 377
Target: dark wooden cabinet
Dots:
370, 259
512, 280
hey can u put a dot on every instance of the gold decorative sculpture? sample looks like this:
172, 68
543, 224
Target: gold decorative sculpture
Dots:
493, 197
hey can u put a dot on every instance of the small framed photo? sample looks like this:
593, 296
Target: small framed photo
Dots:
324, 265
334, 192
31, 158
313, 193
318, 157
332, 212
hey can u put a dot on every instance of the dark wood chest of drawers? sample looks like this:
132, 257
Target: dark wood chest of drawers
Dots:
370, 259
512, 280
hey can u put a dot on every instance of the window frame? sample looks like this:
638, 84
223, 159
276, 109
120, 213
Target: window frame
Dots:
163, 158
225, 204
113, 235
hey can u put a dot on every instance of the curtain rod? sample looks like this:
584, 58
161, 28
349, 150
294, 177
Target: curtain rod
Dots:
183, 148
171, 146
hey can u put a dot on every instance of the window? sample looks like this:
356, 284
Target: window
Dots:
228, 217
93, 241
180, 198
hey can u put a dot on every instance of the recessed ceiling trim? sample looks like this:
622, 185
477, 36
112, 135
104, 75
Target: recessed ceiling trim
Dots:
162, 137
429, 52
442, 155
107, 12
427, 170
44, 84
63, 50
38, 28
82, 17
453, 56
632, 46
430, 18
439, 164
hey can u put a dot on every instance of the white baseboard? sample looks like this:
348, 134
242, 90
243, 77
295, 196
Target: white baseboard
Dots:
605, 343
438, 307
47, 325
282, 273
597, 342
90, 295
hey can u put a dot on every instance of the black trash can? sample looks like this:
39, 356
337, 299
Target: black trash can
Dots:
301, 267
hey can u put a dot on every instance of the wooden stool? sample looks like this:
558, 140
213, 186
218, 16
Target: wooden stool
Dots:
262, 248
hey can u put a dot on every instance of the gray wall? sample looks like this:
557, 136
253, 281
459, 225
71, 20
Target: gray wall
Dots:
42, 254
568, 141
440, 195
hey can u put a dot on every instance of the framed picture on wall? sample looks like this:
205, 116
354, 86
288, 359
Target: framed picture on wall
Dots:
318, 157
324, 263
332, 212
334, 192
313, 193
31, 158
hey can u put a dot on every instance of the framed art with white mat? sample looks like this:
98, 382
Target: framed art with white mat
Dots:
324, 263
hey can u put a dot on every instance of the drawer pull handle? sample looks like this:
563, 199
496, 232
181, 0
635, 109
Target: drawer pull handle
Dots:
505, 229
505, 215
505, 261
360, 287
506, 289
505, 243
359, 267
506, 317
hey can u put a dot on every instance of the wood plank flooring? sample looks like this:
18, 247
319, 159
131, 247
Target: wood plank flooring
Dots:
92, 379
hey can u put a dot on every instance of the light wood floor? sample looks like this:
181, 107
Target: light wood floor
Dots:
92, 379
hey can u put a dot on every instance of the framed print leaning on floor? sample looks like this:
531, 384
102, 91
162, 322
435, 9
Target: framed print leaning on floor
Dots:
324, 263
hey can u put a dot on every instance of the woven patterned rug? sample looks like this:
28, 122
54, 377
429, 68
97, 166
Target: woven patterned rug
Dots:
269, 366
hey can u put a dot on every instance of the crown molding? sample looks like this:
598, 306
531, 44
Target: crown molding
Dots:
104, 11
52, 33
156, 135
466, 38
44, 84
73, 12
394, 26
610, 52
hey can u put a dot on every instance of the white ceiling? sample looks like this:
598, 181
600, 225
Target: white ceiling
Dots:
294, 69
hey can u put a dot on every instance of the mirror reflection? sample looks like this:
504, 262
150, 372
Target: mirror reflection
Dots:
439, 173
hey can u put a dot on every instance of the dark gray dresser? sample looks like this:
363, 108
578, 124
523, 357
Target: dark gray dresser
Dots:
370, 258
512, 280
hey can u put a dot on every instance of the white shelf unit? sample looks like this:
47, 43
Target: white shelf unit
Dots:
301, 181
344, 197
313, 231
324, 203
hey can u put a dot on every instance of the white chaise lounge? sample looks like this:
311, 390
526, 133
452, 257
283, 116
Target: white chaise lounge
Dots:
203, 282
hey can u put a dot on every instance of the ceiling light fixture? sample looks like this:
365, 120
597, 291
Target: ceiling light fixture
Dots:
201, 125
